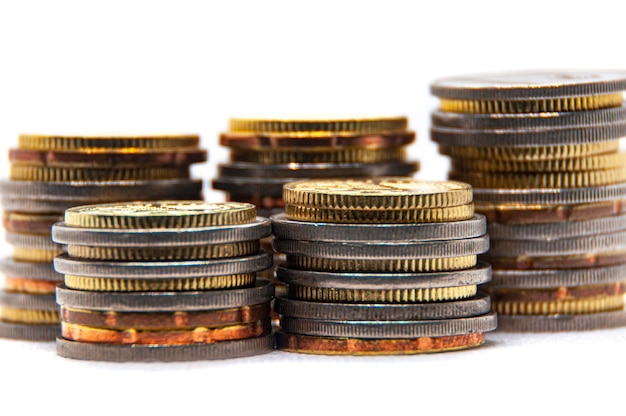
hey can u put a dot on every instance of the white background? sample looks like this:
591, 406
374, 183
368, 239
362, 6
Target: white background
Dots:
135, 67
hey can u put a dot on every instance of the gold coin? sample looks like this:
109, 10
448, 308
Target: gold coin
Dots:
438, 294
543, 180
587, 163
526, 154
456, 213
308, 127
388, 193
581, 103
566, 307
28, 316
34, 255
160, 214
55, 174
397, 265
131, 143
204, 252
97, 284
319, 155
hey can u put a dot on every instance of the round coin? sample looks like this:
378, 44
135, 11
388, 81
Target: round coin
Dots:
319, 155
29, 332
557, 230
596, 243
551, 196
39, 271
541, 214
60, 174
334, 140
561, 323
384, 265
599, 162
31, 286
539, 279
32, 241
569, 261
76, 142
304, 126
28, 301
25, 223
532, 153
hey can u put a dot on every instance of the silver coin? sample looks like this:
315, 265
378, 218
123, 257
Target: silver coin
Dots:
29, 270
478, 305
163, 269
384, 249
101, 191
165, 353
28, 301
376, 281
528, 121
390, 329
241, 186
550, 196
553, 278
32, 241
602, 243
446, 136
528, 85
32, 206
64, 234
317, 170
285, 228
561, 323
28, 332
557, 230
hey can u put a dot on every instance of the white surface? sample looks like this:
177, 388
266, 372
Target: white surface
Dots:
187, 66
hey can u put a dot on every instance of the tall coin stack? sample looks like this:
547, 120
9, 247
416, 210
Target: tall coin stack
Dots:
49, 174
163, 281
381, 266
541, 150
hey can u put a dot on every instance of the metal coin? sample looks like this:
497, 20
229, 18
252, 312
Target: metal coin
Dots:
285, 228
557, 230
561, 323
18, 222
30, 286
569, 261
27, 270
551, 196
57, 174
382, 265
243, 187
533, 153
32, 241
58, 142
313, 126
317, 170
539, 279
334, 140
559, 246
26, 332
28, 301
319, 155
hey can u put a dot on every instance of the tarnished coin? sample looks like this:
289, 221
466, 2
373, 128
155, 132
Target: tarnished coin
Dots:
179, 237
387, 193
165, 353
332, 139
361, 346
92, 142
160, 214
62, 174
479, 305
319, 155
285, 228
558, 230
561, 322
384, 249
595, 243
262, 291
162, 270
538, 279
29, 332
27, 270
532, 153
382, 265
542, 214
25, 223
315, 126
568, 261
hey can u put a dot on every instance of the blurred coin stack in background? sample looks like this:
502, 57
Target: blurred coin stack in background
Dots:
381, 266
163, 281
49, 174
542, 151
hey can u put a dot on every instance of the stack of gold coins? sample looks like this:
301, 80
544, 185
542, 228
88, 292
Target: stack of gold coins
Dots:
381, 266
541, 149
49, 174
163, 281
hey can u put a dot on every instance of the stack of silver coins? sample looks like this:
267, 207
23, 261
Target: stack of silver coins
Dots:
381, 266
541, 150
49, 174
163, 281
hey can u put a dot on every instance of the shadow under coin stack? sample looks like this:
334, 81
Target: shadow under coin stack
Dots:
163, 281
541, 150
49, 174
381, 266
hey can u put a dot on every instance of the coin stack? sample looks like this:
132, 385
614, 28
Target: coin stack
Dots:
381, 266
541, 149
163, 281
49, 174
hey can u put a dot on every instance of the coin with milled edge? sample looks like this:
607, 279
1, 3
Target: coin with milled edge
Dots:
597, 243
32, 241
312, 126
568, 261
551, 196
59, 174
165, 353
329, 139
93, 142
285, 228
25, 223
542, 214
561, 323
598, 162
318, 155
538, 279
31, 286
317, 170
557, 230
27, 270
28, 301
533, 153
382, 265
29, 332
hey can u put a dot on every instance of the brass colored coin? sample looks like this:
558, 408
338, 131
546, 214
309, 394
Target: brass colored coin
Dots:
165, 320
587, 163
81, 333
323, 294
307, 127
538, 214
19, 222
28, 316
550, 105
543, 180
557, 262
319, 155
35, 255
386, 193
97, 284
131, 143
358, 346
528, 154
565, 307
456, 213
203, 252
316, 140
32, 286
54, 174
160, 214
399, 265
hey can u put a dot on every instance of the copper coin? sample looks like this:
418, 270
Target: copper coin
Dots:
335, 140
557, 262
17, 222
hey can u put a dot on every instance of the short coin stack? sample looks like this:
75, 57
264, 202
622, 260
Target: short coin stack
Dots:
381, 266
49, 174
163, 281
541, 150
